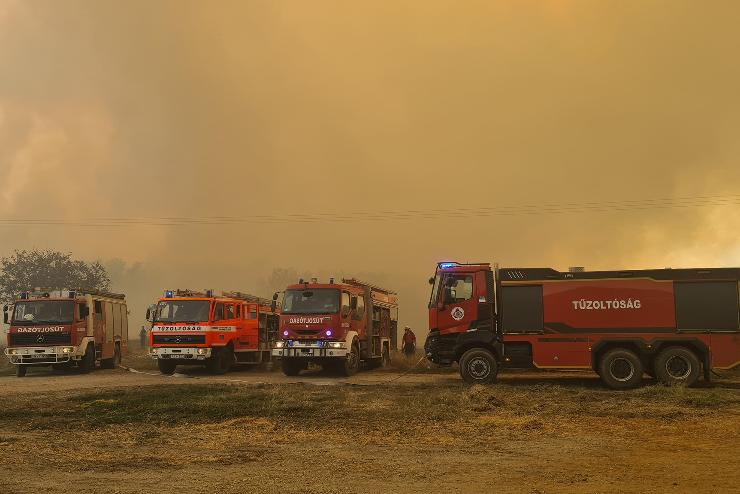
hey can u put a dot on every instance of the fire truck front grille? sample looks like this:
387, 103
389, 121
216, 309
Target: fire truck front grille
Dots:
308, 332
179, 339
40, 339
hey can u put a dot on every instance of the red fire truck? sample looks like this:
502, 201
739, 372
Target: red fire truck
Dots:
192, 327
672, 324
336, 325
65, 328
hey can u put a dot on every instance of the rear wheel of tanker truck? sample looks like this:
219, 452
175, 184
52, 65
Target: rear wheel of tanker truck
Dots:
166, 367
478, 366
621, 368
677, 366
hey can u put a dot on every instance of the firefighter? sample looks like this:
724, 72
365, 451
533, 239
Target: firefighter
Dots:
142, 337
409, 342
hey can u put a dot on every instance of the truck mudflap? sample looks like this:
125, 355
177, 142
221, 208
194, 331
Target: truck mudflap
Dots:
446, 349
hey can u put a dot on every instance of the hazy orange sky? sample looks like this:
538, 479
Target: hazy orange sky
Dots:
151, 109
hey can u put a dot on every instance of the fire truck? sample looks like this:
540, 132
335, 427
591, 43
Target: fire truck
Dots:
675, 325
66, 328
338, 326
197, 327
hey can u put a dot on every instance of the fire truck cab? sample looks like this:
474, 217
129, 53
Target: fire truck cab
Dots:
66, 328
675, 325
198, 327
338, 326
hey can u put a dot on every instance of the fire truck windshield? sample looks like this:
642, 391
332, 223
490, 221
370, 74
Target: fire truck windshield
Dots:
312, 301
183, 311
43, 311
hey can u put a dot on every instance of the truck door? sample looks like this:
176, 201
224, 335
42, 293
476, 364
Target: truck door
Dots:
456, 303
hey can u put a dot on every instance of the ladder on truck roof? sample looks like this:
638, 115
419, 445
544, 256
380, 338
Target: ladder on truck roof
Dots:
68, 293
247, 297
356, 282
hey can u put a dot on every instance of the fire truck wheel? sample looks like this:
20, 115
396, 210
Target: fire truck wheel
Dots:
677, 366
221, 362
20, 370
87, 363
166, 367
292, 367
621, 369
478, 366
350, 366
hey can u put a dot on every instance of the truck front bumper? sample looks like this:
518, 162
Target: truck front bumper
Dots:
309, 352
42, 355
175, 353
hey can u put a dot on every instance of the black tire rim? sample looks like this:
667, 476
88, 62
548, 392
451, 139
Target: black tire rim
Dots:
479, 368
678, 367
621, 369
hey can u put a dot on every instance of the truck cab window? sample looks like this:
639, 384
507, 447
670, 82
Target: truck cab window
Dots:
238, 312
458, 288
229, 311
345, 304
81, 308
218, 312
359, 311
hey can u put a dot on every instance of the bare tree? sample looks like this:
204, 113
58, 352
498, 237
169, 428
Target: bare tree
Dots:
28, 269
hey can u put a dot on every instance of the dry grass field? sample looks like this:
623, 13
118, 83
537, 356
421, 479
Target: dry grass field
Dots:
531, 433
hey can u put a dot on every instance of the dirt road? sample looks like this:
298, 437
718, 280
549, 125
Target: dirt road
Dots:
380, 431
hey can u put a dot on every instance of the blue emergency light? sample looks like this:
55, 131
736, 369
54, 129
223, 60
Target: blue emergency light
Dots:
447, 265
168, 294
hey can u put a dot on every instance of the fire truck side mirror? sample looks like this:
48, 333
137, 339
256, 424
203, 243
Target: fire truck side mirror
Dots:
431, 280
273, 306
5, 314
150, 313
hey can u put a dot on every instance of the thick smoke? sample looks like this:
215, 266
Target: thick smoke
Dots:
189, 109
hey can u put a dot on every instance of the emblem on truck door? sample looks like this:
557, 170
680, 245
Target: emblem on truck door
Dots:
457, 313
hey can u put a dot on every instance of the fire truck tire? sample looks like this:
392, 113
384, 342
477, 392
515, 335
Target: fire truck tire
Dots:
292, 367
87, 363
112, 363
221, 362
478, 366
621, 368
166, 367
20, 370
677, 366
351, 365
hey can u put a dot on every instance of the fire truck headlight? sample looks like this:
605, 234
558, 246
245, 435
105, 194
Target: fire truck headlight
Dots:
13, 351
67, 349
279, 344
202, 351
285, 333
335, 344
153, 351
